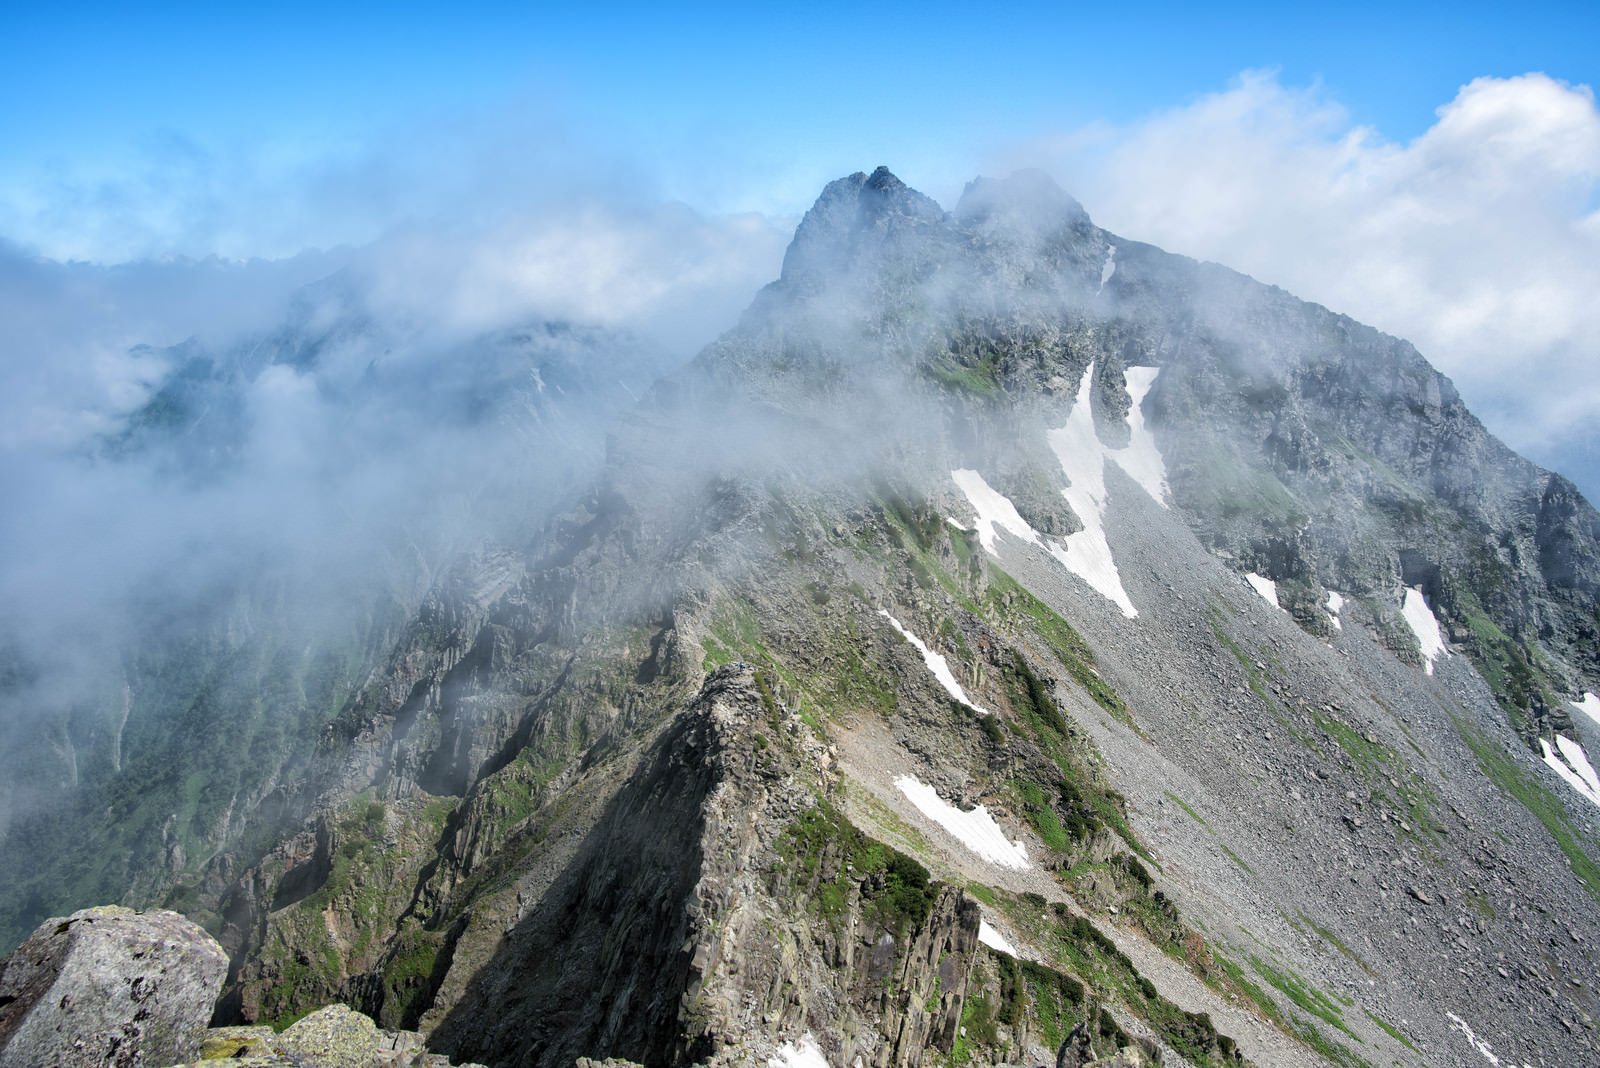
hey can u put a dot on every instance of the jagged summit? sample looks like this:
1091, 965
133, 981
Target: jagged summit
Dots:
1028, 199
877, 220
882, 195
858, 217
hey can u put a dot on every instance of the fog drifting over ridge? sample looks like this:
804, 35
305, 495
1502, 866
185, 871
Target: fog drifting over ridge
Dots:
173, 432
1479, 241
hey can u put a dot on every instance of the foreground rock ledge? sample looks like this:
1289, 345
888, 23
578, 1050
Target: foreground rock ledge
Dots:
334, 1036
109, 987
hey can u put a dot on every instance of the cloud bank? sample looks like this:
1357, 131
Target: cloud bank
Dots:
178, 436
1479, 240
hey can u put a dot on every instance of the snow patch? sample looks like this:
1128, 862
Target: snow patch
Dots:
1573, 766
1419, 617
1083, 460
976, 830
1108, 268
1141, 459
994, 939
1589, 706
1473, 1040
1335, 606
1573, 751
936, 664
805, 1054
994, 510
1264, 586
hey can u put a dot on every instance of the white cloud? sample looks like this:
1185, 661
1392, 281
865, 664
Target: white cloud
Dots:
1479, 240
665, 269
419, 422
68, 369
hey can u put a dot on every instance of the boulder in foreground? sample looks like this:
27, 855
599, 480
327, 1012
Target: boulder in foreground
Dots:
109, 987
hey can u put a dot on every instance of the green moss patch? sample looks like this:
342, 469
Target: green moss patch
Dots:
832, 865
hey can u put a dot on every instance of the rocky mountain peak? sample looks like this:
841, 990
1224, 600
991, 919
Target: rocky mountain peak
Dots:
882, 194
1028, 198
858, 220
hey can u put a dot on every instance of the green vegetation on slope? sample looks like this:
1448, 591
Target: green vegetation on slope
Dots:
1009, 605
1084, 970
828, 861
211, 724
1536, 799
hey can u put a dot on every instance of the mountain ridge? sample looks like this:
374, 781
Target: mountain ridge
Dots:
780, 517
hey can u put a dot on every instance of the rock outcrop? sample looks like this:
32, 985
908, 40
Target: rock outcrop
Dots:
671, 912
334, 1036
109, 988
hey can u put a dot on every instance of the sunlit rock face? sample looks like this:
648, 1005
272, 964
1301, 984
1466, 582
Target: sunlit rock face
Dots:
109, 986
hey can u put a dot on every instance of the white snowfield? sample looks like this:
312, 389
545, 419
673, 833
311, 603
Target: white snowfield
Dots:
1569, 761
1589, 706
936, 664
994, 939
1419, 617
805, 1054
1141, 459
1083, 459
1108, 268
994, 510
1264, 586
1335, 606
976, 830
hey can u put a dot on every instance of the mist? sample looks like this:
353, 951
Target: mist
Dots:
1478, 240
213, 447
223, 449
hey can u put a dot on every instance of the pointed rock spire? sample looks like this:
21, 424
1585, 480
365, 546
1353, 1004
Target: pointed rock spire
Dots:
855, 217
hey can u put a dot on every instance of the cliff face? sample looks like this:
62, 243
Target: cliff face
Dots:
681, 930
897, 696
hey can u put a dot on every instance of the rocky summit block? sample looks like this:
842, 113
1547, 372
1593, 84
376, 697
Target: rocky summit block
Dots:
109, 987
236, 1043
332, 1037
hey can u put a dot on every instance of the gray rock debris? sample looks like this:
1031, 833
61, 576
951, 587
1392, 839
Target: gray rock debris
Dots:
331, 1037
108, 987
339, 1037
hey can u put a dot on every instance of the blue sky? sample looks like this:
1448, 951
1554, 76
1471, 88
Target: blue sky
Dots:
1401, 162
725, 106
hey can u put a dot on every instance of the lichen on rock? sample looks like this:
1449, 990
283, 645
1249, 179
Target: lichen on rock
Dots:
110, 987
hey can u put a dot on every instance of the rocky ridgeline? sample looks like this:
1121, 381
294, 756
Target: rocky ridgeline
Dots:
109, 987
